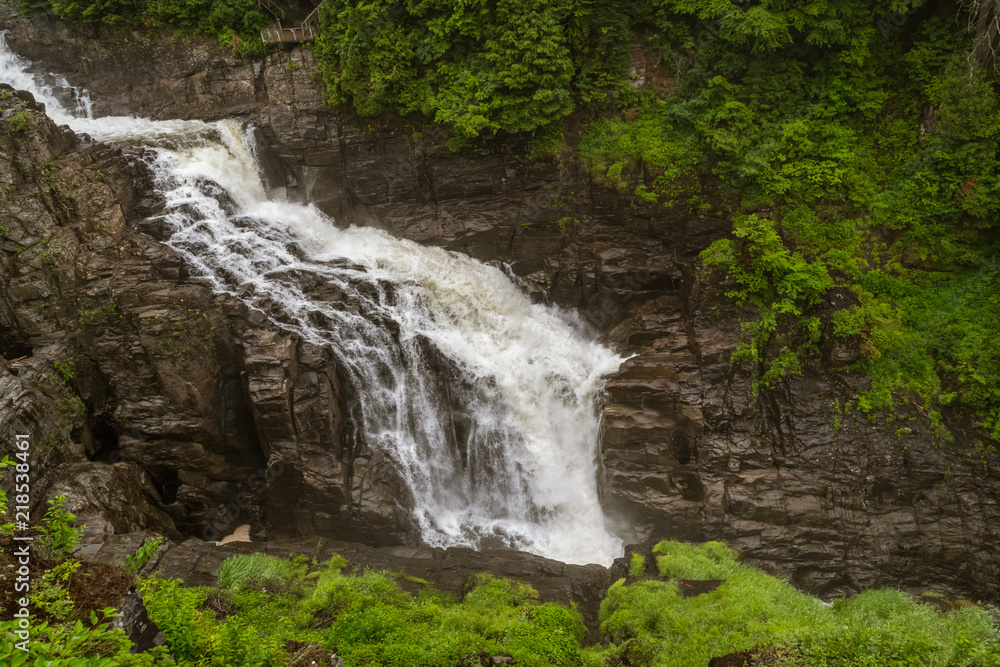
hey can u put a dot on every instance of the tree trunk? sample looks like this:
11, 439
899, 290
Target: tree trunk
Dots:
987, 27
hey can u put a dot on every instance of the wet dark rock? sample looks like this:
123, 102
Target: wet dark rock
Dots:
111, 498
837, 502
134, 620
152, 402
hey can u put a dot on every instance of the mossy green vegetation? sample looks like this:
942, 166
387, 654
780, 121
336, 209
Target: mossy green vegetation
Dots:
260, 572
19, 122
234, 24
649, 623
263, 602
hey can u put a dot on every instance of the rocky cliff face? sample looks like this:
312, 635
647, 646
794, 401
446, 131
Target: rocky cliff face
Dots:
208, 406
156, 403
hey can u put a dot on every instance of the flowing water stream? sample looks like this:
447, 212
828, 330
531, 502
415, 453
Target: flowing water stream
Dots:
485, 401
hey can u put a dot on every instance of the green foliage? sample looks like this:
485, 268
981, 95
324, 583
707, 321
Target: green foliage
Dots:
680, 560
260, 572
781, 286
90, 312
870, 164
663, 164
6, 527
51, 596
473, 67
175, 610
637, 566
19, 121
958, 317
233, 23
60, 534
846, 25
369, 620
372, 622
76, 645
888, 627
67, 369
651, 624
136, 561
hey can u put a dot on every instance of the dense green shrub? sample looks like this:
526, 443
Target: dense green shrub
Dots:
7, 526
680, 560
19, 121
782, 286
176, 611
372, 622
75, 645
473, 66
512, 65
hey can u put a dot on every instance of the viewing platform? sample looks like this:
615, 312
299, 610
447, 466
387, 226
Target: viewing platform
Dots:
287, 29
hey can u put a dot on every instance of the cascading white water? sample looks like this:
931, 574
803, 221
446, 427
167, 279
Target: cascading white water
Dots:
484, 400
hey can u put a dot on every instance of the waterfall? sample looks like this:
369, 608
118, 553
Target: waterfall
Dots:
485, 401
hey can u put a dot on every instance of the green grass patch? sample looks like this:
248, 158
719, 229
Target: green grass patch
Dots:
260, 572
651, 624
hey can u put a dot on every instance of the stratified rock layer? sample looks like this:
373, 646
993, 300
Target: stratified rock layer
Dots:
832, 499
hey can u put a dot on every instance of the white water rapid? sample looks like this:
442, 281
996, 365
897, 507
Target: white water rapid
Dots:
485, 401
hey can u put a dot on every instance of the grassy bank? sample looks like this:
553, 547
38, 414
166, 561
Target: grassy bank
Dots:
272, 611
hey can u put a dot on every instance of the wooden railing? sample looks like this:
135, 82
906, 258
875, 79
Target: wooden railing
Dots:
304, 32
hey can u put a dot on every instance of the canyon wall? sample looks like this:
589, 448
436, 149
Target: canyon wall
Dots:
235, 420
